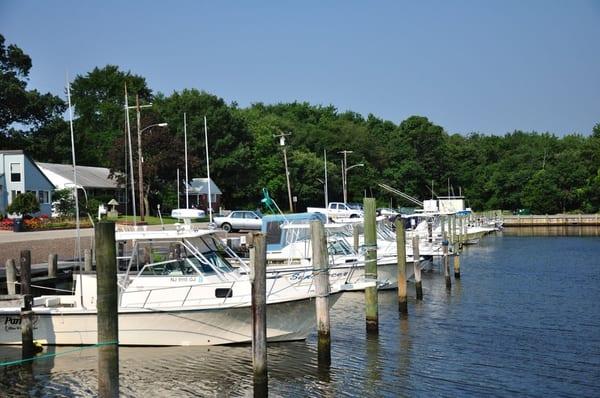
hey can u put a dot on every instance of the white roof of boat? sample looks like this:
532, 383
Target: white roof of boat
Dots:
168, 234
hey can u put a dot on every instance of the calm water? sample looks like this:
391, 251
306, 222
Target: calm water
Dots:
524, 320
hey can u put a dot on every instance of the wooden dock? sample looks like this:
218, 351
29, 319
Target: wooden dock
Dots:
552, 220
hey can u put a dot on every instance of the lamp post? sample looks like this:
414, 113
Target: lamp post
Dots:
345, 169
287, 173
141, 181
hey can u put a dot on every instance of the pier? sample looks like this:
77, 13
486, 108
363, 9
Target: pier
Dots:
551, 220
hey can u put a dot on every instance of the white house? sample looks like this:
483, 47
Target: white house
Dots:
197, 192
19, 174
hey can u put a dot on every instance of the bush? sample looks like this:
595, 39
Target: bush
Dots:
24, 203
64, 202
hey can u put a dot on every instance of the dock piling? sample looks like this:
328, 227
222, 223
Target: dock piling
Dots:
456, 265
258, 263
11, 276
417, 267
371, 299
355, 235
321, 277
401, 252
107, 308
446, 262
26, 312
87, 260
52, 265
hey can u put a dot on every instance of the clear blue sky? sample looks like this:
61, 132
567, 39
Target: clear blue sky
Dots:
470, 66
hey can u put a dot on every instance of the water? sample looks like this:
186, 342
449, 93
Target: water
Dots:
523, 320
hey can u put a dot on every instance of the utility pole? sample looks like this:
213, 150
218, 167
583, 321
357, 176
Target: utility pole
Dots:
344, 175
139, 139
287, 173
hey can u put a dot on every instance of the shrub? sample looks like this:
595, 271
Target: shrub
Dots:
24, 203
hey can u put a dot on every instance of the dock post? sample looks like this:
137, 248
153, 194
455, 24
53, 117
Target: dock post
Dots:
107, 307
401, 252
417, 265
320, 262
443, 227
461, 238
452, 229
52, 265
446, 262
87, 260
456, 265
258, 263
26, 312
371, 299
11, 276
355, 235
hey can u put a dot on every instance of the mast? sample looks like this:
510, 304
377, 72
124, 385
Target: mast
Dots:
187, 197
78, 240
208, 172
326, 193
130, 157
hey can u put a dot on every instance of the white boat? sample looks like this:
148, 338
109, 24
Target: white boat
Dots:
184, 293
289, 253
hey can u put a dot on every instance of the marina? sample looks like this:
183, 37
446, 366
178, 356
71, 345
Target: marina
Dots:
510, 326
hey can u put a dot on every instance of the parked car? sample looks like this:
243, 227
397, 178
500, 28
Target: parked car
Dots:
386, 211
239, 219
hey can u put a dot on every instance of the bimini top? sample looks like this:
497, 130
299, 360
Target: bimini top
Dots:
170, 234
272, 226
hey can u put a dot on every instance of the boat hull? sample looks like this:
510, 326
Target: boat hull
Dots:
290, 320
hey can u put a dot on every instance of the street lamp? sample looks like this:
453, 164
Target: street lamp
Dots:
141, 181
287, 173
345, 169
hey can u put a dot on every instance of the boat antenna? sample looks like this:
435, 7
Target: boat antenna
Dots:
187, 195
78, 240
208, 172
130, 158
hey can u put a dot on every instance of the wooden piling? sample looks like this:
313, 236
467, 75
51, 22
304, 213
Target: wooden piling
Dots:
401, 252
456, 265
320, 262
107, 307
371, 304
258, 262
11, 276
355, 235
52, 265
442, 224
446, 262
87, 260
417, 265
461, 237
26, 313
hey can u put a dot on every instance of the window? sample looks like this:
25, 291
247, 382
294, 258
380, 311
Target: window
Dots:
13, 194
15, 172
43, 196
237, 214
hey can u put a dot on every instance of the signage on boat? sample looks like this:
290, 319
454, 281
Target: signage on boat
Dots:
298, 276
13, 323
186, 279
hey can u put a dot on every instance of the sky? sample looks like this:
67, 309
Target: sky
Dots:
490, 67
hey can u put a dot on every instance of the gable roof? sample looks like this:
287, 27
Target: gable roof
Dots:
200, 186
33, 162
87, 177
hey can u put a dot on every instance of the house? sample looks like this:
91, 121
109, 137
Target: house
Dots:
197, 191
94, 181
18, 174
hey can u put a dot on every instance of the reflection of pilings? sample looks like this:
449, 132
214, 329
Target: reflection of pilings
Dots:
446, 260
107, 306
401, 255
371, 310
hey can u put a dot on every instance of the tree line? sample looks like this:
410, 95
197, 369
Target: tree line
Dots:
539, 171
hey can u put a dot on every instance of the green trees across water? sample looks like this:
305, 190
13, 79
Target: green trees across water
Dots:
542, 172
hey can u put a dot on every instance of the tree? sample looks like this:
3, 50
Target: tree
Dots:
24, 203
64, 202
98, 98
23, 112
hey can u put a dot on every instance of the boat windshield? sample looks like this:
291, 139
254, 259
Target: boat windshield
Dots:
215, 261
339, 248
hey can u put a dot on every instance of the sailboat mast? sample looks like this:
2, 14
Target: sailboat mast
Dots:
78, 241
187, 196
208, 172
130, 157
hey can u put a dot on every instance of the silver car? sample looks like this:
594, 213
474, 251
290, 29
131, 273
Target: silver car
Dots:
239, 219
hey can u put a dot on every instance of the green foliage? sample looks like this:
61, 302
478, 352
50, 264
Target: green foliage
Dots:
24, 203
64, 202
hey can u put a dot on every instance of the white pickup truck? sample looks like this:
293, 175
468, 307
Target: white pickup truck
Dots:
336, 210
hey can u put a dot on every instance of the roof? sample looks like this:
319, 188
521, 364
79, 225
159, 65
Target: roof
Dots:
87, 177
200, 186
25, 154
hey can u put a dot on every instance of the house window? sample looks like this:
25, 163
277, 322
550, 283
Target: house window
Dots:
15, 172
13, 194
43, 197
